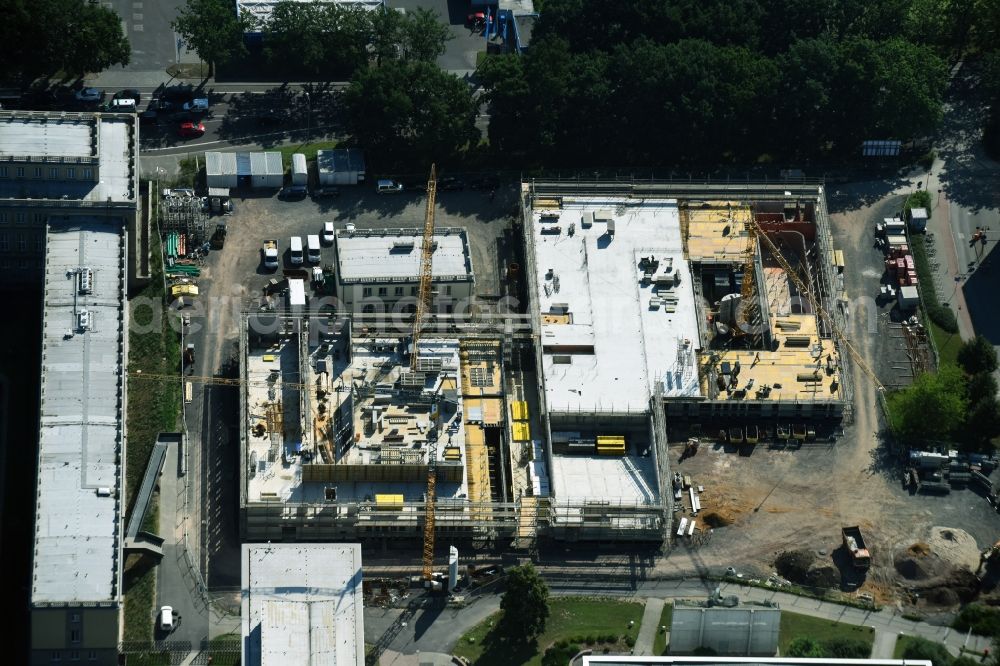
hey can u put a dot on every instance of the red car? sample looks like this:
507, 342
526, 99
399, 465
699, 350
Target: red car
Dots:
191, 129
476, 20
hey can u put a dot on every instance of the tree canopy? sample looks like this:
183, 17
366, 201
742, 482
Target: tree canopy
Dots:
806, 647
933, 407
410, 112
74, 37
977, 355
524, 605
698, 81
212, 29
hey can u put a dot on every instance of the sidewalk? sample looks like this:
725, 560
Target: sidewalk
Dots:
647, 630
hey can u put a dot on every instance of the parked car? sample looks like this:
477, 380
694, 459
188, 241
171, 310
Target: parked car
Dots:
191, 129
197, 104
89, 95
327, 192
123, 105
387, 186
415, 185
129, 93
166, 618
327, 235
292, 192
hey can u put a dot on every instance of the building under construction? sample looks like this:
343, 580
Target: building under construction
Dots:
712, 306
339, 433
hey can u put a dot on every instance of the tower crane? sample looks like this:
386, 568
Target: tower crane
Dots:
852, 351
423, 304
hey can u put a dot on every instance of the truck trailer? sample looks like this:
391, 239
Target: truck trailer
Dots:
855, 545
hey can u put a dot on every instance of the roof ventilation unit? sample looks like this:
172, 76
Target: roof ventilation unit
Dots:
83, 320
86, 280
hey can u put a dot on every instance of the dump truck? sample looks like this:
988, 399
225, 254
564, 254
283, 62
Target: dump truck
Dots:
271, 253
855, 545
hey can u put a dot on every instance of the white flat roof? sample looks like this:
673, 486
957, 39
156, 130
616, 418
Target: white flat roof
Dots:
628, 479
596, 279
296, 292
395, 254
77, 523
71, 139
302, 604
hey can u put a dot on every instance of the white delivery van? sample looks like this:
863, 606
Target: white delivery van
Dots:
166, 618
295, 250
126, 104
312, 245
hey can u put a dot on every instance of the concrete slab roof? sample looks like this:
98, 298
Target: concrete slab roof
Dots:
302, 604
394, 254
78, 506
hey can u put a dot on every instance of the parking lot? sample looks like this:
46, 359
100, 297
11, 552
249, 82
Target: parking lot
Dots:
233, 279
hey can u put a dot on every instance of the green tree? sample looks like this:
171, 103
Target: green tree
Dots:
805, 647
424, 35
213, 30
296, 32
921, 648
74, 37
410, 113
982, 385
980, 619
524, 605
932, 407
977, 355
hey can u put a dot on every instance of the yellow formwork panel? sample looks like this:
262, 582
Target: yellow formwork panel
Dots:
387, 502
522, 431
519, 408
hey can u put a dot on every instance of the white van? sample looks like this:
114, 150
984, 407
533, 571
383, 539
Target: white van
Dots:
166, 618
295, 250
386, 186
126, 104
312, 245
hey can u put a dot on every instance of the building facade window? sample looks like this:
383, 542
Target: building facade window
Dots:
447, 290
88, 173
22, 243
366, 291
19, 172
70, 172
3, 218
19, 218
39, 246
399, 291
74, 618
38, 172
39, 218
74, 655
413, 291
92, 656
383, 291
3, 172
4, 243
53, 172
74, 635
56, 656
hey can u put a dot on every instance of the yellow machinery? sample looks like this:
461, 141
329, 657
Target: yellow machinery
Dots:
423, 303
610, 445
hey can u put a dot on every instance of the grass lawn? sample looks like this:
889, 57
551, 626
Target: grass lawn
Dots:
660, 642
902, 642
308, 149
573, 619
947, 343
794, 625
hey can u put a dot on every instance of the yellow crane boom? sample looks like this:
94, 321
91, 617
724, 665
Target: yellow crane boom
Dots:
423, 305
824, 315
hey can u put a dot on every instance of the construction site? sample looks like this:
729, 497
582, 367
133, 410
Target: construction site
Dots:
652, 319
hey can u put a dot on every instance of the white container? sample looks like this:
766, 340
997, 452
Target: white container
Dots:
300, 169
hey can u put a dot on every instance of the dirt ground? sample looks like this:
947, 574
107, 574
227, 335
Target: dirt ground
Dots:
778, 500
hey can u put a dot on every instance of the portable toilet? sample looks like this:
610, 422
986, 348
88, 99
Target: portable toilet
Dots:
300, 171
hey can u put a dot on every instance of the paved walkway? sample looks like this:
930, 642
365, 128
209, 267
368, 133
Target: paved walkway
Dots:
885, 645
650, 624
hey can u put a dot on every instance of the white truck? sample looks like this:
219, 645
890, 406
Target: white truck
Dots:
271, 253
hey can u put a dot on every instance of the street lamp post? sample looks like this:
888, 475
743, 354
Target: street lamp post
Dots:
308, 116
